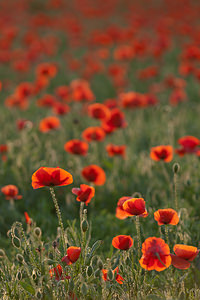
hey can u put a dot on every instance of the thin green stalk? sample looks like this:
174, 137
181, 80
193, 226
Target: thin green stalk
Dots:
176, 191
167, 234
59, 216
137, 223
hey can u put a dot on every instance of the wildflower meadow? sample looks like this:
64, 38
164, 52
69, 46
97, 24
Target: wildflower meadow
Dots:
99, 149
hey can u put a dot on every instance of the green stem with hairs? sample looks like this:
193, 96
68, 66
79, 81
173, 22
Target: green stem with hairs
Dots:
53, 195
137, 223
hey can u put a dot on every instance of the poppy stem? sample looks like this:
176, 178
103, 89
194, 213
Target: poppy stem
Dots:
53, 195
176, 191
167, 234
137, 223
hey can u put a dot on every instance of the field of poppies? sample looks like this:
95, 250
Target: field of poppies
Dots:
99, 149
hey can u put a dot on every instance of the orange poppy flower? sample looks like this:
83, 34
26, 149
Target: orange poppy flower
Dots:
122, 242
120, 213
164, 153
24, 90
184, 254
95, 174
117, 277
27, 218
49, 123
11, 192
85, 193
72, 256
166, 216
81, 90
51, 177
113, 150
156, 254
76, 147
189, 145
58, 272
93, 134
15, 101
98, 111
135, 207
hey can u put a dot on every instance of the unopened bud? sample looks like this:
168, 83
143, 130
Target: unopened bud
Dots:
89, 271
38, 232
16, 242
110, 275
97, 273
2, 254
100, 264
84, 289
176, 168
84, 225
20, 258
19, 275
94, 261
38, 294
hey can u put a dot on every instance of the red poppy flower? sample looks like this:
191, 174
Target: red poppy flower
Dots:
164, 153
93, 134
76, 147
113, 150
95, 174
120, 213
58, 272
85, 193
49, 123
51, 177
72, 256
189, 145
81, 90
47, 70
63, 92
117, 277
15, 101
122, 242
27, 218
132, 100
24, 90
11, 192
177, 96
135, 207
116, 120
156, 254
184, 254
60, 108
98, 111
166, 216
46, 101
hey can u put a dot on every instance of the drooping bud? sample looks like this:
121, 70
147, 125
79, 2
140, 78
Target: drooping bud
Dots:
16, 242
38, 232
84, 225
97, 273
89, 271
176, 168
20, 258
2, 254
100, 264
19, 275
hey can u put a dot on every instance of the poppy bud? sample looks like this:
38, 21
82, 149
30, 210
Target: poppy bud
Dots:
38, 232
38, 294
97, 273
16, 242
188, 182
71, 285
110, 275
51, 255
55, 244
100, 264
34, 275
19, 275
176, 168
20, 258
94, 261
2, 254
84, 225
89, 271
84, 289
